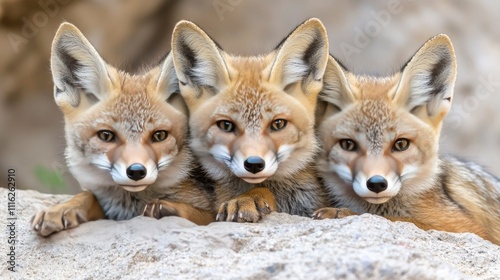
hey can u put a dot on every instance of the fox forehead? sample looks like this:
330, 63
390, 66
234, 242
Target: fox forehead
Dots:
250, 98
368, 87
132, 108
373, 117
373, 121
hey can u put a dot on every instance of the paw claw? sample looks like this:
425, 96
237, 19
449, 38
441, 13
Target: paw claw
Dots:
316, 215
55, 219
332, 213
249, 207
160, 208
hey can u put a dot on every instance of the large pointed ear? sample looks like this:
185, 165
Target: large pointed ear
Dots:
80, 75
427, 81
336, 90
198, 60
336, 93
167, 85
302, 56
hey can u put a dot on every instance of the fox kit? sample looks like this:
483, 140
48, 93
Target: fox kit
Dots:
126, 141
380, 140
252, 120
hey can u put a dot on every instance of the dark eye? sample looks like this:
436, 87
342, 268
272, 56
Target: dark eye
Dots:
225, 126
348, 145
159, 136
401, 144
106, 135
278, 124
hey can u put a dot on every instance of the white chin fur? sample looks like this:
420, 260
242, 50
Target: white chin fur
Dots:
254, 180
377, 200
135, 188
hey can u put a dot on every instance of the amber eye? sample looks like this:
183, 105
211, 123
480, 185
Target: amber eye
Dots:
348, 145
159, 136
106, 135
278, 124
226, 126
401, 144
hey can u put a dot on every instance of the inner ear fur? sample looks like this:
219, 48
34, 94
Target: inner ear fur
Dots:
197, 58
428, 79
302, 56
167, 85
336, 90
77, 69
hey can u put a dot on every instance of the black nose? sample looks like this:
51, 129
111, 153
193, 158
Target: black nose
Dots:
254, 164
136, 171
377, 184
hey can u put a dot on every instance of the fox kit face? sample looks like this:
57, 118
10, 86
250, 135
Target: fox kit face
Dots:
120, 129
380, 135
252, 117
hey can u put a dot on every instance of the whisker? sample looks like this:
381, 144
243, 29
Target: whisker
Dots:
280, 156
101, 166
222, 157
164, 163
274, 160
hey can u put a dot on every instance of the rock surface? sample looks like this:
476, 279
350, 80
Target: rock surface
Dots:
280, 247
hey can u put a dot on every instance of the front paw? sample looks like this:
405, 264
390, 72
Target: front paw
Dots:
249, 207
332, 213
159, 209
57, 218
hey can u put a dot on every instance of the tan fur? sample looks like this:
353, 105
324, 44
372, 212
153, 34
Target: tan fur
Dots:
163, 208
431, 191
81, 208
96, 97
252, 93
250, 206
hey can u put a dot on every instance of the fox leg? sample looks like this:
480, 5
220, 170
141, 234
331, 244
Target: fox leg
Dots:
248, 207
332, 213
163, 208
81, 208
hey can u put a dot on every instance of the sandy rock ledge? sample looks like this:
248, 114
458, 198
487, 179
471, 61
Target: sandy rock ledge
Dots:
280, 247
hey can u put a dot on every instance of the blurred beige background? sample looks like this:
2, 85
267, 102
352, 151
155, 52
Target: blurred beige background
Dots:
373, 37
